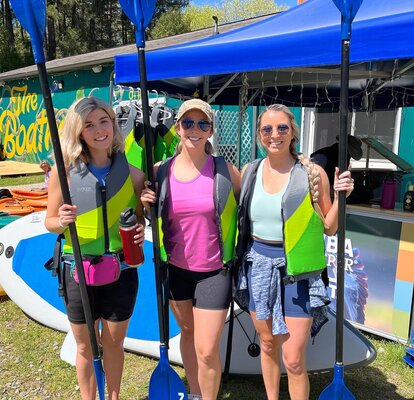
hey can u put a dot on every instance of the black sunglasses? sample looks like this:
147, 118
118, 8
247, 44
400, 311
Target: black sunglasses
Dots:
202, 124
267, 130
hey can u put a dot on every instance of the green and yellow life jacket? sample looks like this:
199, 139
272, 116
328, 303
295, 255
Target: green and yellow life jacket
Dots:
303, 228
99, 207
225, 205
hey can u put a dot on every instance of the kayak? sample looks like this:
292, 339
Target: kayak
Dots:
23, 202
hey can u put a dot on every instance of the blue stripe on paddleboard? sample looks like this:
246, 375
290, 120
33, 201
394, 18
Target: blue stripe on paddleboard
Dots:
144, 321
28, 263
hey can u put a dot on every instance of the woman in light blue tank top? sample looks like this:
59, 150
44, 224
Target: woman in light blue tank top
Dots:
265, 210
282, 314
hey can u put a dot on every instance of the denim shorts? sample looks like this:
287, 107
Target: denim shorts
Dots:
295, 297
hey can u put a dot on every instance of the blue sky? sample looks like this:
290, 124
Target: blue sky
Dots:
289, 3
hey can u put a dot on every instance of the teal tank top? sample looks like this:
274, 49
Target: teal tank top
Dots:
265, 210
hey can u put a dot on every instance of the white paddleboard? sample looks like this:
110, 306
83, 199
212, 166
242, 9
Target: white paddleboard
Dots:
25, 245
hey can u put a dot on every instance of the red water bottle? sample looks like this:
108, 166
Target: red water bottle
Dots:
128, 223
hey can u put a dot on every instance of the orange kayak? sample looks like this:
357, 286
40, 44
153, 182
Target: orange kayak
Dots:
12, 206
24, 202
29, 194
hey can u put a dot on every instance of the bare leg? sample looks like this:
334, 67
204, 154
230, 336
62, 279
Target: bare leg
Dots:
84, 366
294, 356
113, 335
208, 326
270, 356
183, 313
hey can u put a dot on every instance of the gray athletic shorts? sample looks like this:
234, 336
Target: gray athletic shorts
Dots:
208, 290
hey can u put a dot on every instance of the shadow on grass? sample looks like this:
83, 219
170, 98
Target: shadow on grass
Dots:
365, 383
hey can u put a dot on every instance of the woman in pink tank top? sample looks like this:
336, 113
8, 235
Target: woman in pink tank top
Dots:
200, 289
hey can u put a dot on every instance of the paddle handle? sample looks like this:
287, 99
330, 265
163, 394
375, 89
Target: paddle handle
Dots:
162, 297
63, 181
343, 161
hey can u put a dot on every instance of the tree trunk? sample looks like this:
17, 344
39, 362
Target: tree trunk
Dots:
8, 23
51, 39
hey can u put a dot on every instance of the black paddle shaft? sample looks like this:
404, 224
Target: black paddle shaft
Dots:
343, 160
57, 150
162, 297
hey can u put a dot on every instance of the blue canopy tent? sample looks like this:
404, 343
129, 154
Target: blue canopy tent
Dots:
294, 56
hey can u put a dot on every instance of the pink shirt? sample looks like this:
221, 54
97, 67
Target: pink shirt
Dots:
193, 238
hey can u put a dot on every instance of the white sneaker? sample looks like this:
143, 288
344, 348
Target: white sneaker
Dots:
194, 397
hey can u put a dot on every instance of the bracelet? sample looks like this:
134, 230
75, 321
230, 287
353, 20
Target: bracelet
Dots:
60, 223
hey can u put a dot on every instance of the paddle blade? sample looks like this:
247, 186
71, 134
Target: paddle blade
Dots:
165, 384
32, 16
140, 13
337, 389
100, 377
348, 10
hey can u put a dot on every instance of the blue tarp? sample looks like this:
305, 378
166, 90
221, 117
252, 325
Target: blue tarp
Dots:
304, 36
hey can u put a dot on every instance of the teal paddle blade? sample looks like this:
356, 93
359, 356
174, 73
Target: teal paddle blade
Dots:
32, 16
140, 13
165, 384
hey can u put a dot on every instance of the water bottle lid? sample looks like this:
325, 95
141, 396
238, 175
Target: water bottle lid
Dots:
127, 217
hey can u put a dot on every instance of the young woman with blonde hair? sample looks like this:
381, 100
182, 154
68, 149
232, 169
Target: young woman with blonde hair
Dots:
102, 184
285, 209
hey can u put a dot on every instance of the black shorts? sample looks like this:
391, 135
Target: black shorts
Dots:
208, 290
114, 302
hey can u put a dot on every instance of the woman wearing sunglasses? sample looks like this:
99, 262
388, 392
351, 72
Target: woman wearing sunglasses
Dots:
196, 202
285, 209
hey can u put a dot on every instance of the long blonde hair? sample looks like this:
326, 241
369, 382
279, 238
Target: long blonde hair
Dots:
73, 147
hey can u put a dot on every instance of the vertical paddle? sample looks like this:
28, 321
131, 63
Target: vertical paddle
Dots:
165, 383
32, 16
337, 390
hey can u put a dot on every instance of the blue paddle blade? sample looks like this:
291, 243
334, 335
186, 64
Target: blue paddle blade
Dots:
165, 384
32, 16
348, 10
140, 13
337, 389
100, 377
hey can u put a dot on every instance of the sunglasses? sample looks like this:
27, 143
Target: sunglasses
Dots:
267, 130
202, 124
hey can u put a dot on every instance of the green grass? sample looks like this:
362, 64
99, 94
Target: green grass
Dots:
21, 180
30, 368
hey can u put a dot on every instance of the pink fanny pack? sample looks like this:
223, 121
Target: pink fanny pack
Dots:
99, 270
